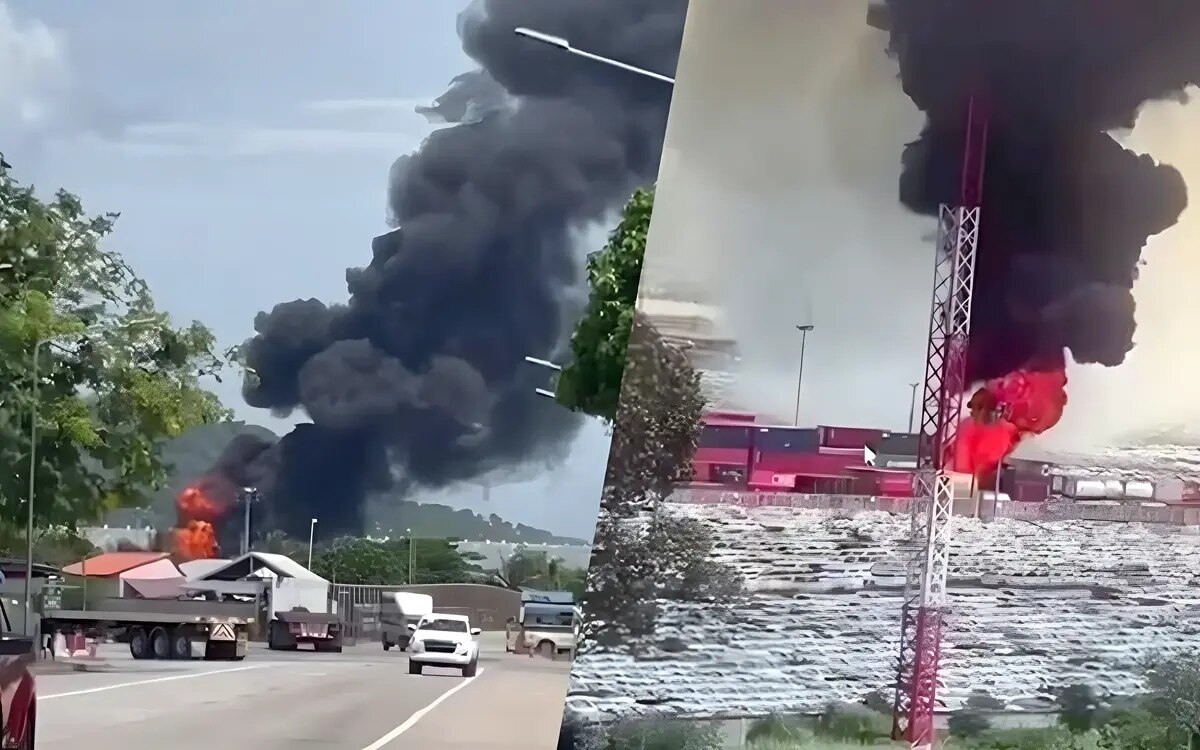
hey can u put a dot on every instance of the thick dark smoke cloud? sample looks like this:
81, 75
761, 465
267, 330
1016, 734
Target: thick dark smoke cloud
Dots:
1066, 210
419, 380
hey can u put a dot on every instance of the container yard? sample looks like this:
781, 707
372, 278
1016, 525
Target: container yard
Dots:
1032, 608
737, 451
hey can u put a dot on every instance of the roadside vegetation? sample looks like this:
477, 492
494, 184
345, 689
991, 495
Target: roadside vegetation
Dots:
1166, 717
623, 373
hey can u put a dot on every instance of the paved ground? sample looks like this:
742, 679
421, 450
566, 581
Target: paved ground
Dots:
362, 699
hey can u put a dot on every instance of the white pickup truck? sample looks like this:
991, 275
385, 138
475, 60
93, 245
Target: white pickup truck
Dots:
440, 640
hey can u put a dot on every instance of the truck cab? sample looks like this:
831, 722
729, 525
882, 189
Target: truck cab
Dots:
18, 693
546, 624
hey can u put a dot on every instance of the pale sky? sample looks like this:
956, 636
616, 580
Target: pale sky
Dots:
778, 192
247, 147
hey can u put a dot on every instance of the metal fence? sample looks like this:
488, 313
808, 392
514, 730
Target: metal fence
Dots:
359, 608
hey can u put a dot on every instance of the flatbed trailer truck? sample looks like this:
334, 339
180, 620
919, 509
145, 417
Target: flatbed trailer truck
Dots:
162, 628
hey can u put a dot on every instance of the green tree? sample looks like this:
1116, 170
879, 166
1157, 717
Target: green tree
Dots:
1078, 707
591, 383
1175, 694
83, 347
968, 724
356, 560
624, 373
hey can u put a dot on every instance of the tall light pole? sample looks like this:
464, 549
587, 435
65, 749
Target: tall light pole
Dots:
800, 377
564, 45
412, 556
33, 421
312, 530
249, 497
912, 407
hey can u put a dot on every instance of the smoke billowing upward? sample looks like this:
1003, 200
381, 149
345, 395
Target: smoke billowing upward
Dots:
1066, 209
420, 379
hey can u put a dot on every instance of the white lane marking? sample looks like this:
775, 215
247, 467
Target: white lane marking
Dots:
407, 725
172, 678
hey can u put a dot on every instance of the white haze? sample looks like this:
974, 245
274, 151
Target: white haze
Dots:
777, 196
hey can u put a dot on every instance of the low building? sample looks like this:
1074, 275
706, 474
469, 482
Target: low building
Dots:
108, 574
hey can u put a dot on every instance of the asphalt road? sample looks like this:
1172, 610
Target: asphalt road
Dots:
362, 699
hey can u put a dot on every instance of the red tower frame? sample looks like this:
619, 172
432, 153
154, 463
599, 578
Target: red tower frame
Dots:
941, 412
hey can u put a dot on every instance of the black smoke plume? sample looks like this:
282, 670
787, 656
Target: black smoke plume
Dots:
419, 379
1066, 210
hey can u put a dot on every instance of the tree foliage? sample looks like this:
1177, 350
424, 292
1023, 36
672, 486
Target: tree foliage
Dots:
112, 378
626, 374
536, 569
385, 562
591, 383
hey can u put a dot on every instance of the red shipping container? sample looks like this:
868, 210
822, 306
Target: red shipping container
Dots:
848, 437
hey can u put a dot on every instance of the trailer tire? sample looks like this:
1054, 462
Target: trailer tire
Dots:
139, 644
278, 639
160, 643
181, 644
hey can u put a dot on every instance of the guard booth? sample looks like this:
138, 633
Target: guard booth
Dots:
12, 588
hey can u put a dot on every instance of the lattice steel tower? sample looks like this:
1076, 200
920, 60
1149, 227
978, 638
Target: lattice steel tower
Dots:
941, 411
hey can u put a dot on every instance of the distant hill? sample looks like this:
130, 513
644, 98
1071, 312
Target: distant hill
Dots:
195, 452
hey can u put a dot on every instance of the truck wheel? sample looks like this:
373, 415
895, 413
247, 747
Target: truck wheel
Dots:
181, 644
160, 644
414, 667
278, 639
139, 644
386, 646
547, 649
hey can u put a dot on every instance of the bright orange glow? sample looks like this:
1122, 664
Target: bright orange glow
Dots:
1007, 410
196, 541
195, 537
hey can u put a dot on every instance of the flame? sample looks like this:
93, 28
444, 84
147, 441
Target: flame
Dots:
197, 541
1005, 411
195, 537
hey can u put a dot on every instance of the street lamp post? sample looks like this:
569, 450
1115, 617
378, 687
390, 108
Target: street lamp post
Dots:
312, 530
249, 496
559, 43
412, 557
548, 365
33, 420
912, 407
800, 377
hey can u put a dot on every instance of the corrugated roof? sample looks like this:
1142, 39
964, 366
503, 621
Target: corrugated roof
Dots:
113, 563
196, 569
280, 565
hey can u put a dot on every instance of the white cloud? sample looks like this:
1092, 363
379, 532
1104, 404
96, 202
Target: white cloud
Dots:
34, 75
190, 138
324, 126
365, 105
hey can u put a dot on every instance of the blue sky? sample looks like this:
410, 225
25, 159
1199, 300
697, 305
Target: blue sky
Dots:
247, 147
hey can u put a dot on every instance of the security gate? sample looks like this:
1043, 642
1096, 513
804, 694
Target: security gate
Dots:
359, 607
